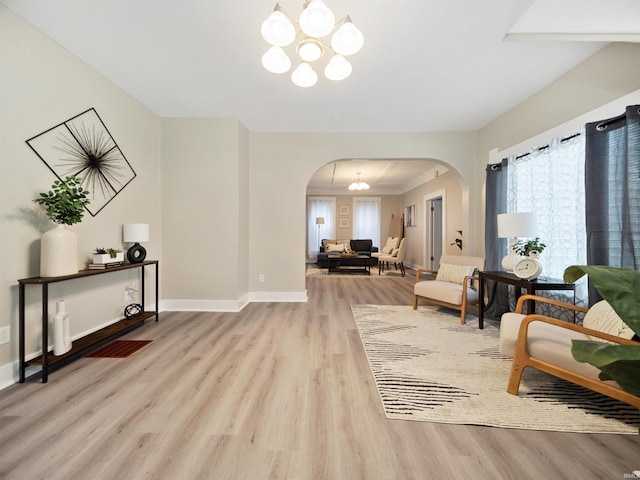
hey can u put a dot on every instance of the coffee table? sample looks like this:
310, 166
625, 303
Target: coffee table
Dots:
355, 264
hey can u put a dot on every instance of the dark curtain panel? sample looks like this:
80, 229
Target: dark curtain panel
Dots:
612, 186
495, 248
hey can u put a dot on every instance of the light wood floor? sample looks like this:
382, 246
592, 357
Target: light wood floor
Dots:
279, 390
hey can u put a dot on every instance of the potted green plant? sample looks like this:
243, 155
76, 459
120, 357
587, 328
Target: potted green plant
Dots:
107, 255
525, 247
619, 287
64, 204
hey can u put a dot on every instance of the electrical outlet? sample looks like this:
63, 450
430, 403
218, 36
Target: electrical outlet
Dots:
5, 335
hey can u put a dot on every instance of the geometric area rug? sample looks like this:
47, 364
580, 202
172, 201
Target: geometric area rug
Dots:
119, 349
428, 367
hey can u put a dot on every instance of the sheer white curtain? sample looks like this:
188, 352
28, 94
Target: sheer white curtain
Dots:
366, 219
324, 207
550, 182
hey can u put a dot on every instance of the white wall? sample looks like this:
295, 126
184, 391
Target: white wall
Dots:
204, 212
281, 166
42, 85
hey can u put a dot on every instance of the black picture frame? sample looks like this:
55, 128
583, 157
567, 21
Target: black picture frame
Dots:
82, 146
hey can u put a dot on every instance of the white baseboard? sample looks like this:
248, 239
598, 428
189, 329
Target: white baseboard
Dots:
9, 371
192, 305
8, 375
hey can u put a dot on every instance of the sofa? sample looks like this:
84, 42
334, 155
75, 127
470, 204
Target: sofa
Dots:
329, 247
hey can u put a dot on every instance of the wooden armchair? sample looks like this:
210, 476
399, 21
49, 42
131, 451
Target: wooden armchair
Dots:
453, 287
544, 343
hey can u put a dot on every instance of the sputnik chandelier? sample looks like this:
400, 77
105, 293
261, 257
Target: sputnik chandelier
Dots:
359, 184
316, 22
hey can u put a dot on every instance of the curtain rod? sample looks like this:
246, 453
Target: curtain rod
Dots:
565, 139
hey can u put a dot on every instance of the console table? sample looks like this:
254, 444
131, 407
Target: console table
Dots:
87, 343
529, 286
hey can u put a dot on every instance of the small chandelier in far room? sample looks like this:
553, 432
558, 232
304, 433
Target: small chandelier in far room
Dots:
316, 22
359, 184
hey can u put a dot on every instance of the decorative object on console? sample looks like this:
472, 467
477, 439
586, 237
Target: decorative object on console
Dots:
107, 255
316, 22
132, 310
64, 204
82, 146
513, 226
135, 233
61, 330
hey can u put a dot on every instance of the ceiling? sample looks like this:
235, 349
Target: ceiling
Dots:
427, 65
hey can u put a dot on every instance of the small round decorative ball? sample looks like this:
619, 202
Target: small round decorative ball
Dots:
132, 310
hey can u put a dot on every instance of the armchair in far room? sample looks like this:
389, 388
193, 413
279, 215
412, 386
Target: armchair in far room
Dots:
455, 285
391, 244
396, 257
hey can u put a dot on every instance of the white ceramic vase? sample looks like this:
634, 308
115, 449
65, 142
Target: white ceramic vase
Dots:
58, 252
61, 330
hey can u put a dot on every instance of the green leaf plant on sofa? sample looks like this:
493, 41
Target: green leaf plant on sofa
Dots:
601, 355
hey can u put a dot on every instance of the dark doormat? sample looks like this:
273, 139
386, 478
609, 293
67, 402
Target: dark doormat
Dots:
119, 349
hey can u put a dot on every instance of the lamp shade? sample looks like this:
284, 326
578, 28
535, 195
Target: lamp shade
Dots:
304, 76
276, 61
319, 220
338, 68
316, 20
278, 30
135, 232
520, 224
347, 40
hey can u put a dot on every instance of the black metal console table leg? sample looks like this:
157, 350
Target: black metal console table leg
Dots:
45, 332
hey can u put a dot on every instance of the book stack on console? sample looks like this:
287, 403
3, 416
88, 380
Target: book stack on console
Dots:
102, 266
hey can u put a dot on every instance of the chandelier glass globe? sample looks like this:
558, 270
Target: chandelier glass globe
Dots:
338, 68
304, 76
317, 20
276, 61
347, 40
278, 30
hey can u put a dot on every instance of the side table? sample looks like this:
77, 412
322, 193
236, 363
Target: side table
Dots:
529, 286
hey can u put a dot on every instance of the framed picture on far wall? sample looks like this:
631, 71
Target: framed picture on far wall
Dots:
410, 216
344, 209
344, 223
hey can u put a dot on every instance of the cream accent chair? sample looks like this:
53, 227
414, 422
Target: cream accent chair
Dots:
544, 343
396, 257
389, 247
455, 290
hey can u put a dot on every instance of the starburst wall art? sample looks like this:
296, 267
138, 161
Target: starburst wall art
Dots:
83, 147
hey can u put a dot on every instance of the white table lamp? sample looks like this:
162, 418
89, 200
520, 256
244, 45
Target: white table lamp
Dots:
135, 233
513, 226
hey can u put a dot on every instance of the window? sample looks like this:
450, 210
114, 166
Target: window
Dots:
550, 182
320, 207
366, 218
